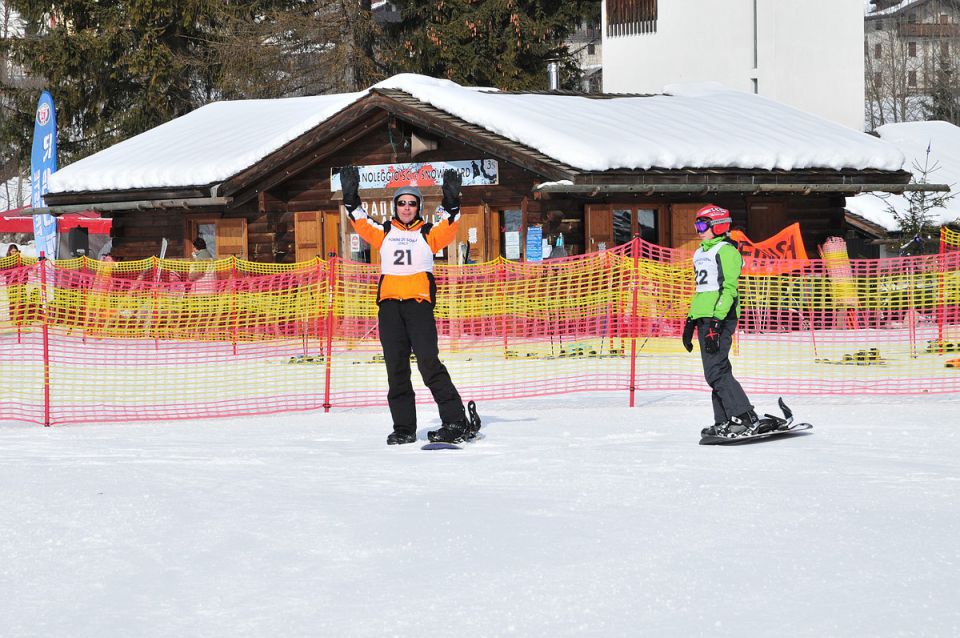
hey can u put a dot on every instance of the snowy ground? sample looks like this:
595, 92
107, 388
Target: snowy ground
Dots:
565, 521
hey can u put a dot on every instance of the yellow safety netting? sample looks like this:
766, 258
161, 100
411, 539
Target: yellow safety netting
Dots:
162, 339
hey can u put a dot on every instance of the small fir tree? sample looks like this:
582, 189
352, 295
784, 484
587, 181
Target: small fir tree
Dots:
915, 224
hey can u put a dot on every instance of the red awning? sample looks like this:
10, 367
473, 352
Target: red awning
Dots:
12, 222
88, 219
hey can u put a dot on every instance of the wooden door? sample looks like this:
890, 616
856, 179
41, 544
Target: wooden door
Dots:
471, 227
307, 235
764, 220
232, 238
682, 233
599, 231
331, 234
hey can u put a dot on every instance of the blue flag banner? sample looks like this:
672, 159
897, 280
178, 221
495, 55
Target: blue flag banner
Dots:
45, 234
43, 159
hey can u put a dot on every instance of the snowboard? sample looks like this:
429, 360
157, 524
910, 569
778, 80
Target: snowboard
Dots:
474, 420
441, 446
777, 425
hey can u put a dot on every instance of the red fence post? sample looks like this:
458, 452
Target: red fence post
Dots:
46, 340
331, 293
502, 276
155, 280
233, 302
21, 308
941, 301
634, 326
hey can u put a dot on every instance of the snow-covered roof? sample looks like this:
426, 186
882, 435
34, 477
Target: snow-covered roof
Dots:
868, 8
913, 138
203, 147
688, 126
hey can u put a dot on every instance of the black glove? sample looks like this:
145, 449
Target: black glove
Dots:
451, 191
350, 183
711, 339
688, 329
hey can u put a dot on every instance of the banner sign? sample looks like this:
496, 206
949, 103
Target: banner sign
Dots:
474, 173
43, 159
45, 235
787, 244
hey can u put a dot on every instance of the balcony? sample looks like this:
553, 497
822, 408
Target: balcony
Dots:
929, 30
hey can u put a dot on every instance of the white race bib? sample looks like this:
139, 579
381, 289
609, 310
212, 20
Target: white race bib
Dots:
405, 252
706, 269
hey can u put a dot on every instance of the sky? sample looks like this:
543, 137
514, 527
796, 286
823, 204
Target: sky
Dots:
575, 516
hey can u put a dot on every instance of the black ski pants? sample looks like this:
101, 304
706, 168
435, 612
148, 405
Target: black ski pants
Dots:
409, 326
728, 397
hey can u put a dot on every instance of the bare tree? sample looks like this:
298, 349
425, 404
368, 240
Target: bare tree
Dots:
907, 51
292, 48
13, 186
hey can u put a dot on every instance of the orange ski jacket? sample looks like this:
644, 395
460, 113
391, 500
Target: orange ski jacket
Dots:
406, 253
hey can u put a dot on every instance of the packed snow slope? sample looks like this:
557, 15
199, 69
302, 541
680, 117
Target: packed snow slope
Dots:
575, 516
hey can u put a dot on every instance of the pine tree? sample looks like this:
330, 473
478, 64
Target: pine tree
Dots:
115, 68
500, 43
916, 226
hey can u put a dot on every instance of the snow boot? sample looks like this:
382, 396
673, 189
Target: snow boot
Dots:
452, 432
717, 429
746, 424
399, 438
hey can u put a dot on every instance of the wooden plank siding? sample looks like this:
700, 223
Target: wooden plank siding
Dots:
377, 130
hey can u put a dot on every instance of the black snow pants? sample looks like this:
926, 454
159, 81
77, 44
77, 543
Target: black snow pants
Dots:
409, 326
729, 399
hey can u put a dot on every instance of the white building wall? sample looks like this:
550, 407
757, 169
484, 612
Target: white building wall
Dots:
806, 53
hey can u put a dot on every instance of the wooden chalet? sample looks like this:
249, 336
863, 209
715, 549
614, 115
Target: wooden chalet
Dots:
282, 208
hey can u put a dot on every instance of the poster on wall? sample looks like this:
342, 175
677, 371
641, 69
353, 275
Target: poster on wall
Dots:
534, 243
480, 172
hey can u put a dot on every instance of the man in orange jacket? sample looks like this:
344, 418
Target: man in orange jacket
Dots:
406, 294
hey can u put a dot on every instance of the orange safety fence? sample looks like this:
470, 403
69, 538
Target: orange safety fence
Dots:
85, 341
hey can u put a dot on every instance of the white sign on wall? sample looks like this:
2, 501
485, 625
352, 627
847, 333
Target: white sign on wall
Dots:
479, 172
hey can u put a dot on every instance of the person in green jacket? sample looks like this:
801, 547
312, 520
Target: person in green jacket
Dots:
714, 312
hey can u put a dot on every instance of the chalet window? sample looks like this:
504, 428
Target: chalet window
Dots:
912, 49
912, 18
878, 25
877, 78
945, 49
591, 49
631, 17
944, 18
224, 237
876, 50
912, 78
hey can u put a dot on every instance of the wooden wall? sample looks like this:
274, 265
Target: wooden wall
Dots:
270, 215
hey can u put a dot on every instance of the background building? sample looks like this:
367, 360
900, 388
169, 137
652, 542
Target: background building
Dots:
912, 54
805, 54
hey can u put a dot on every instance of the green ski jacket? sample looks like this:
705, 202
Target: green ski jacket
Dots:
716, 267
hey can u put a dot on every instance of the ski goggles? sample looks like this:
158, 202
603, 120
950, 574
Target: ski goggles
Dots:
701, 225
